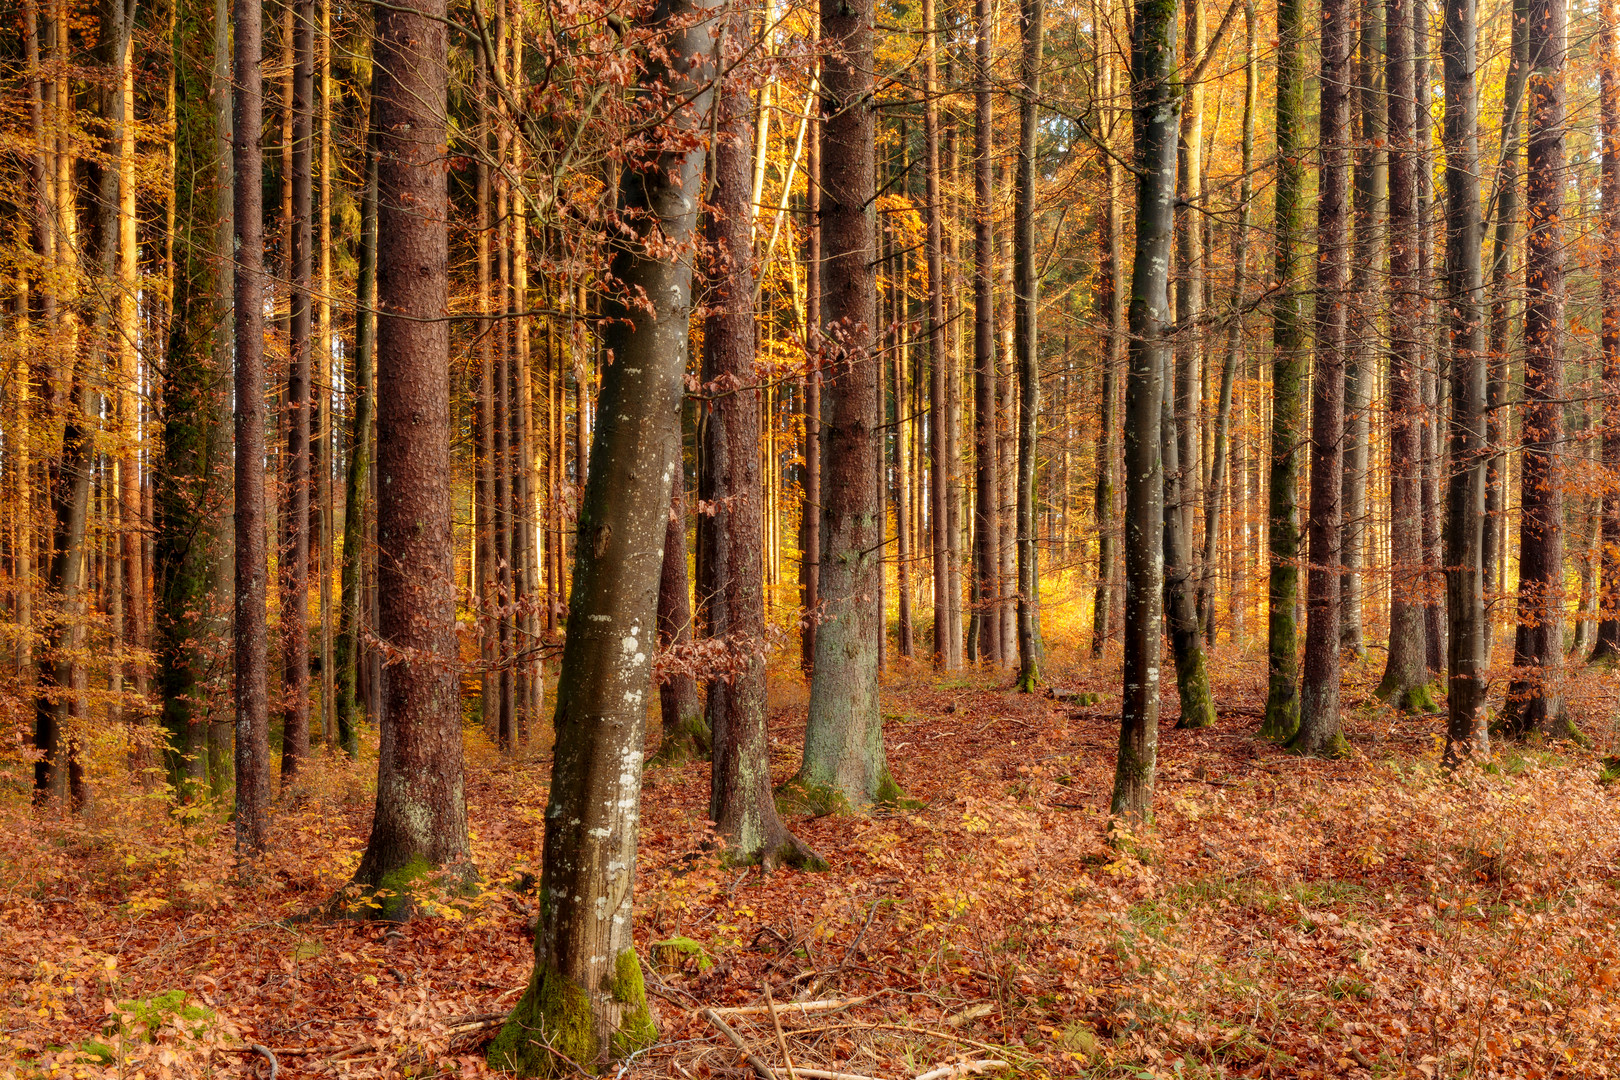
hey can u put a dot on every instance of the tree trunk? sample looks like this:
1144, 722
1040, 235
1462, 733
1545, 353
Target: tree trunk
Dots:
1534, 698
986, 444
221, 451
1189, 373
1026, 347
685, 733
1287, 380
252, 669
294, 563
810, 513
947, 648
1608, 633
1114, 338
1319, 731
844, 762
1155, 99
420, 823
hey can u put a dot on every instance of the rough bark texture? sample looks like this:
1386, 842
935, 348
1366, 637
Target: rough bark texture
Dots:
1287, 379
1026, 346
844, 761
810, 515
947, 646
420, 823
1607, 646
1319, 731
986, 445
252, 570
1534, 701
1155, 101
1104, 617
586, 1002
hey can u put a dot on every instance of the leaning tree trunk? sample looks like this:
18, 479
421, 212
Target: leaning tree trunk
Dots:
1467, 632
986, 444
740, 801
420, 823
1319, 731
252, 668
1406, 670
844, 761
1534, 700
1026, 325
1287, 379
585, 1002
1155, 100
1607, 646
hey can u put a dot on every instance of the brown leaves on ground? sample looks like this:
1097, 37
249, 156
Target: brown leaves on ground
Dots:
1287, 917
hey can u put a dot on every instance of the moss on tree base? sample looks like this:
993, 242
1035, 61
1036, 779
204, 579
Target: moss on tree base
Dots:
799, 797
690, 741
552, 1031
1411, 699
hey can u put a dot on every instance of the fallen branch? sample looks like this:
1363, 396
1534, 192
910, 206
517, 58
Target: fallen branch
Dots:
263, 1051
823, 1074
964, 1068
781, 1043
801, 1007
762, 1070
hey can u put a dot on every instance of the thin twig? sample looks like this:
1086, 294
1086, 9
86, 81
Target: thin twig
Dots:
762, 1070
264, 1051
781, 1042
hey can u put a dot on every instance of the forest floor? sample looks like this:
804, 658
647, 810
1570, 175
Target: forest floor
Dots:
1287, 917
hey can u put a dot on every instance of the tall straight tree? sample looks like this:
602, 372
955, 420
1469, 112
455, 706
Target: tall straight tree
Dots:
252, 568
947, 644
1026, 343
1319, 731
1534, 700
1114, 313
844, 761
1156, 107
684, 733
1406, 671
420, 823
1287, 379
1607, 646
810, 513
732, 589
585, 1002
986, 446
1467, 632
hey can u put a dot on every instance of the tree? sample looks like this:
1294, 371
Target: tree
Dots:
1156, 105
947, 643
986, 628
1026, 345
844, 762
1319, 731
420, 822
585, 1002
1114, 313
1287, 379
684, 732
1607, 646
1534, 702
252, 569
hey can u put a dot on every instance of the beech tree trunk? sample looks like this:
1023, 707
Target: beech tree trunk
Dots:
1319, 730
986, 444
1155, 100
1114, 311
585, 1001
1534, 698
1026, 346
810, 514
684, 734
420, 823
947, 645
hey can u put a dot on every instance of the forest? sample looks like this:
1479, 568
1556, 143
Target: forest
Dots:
857, 540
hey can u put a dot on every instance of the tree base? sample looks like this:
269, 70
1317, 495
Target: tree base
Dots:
786, 850
690, 741
1334, 746
1411, 699
398, 895
552, 1030
799, 797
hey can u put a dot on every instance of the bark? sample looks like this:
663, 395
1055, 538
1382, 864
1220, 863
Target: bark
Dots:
685, 733
1468, 634
295, 554
1155, 101
810, 513
127, 336
844, 761
1534, 699
1026, 347
251, 666
1180, 610
740, 800
947, 646
1607, 646
1406, 675
221, 450
1189, 373
1319, 728
585, 1002
1114, 311
420, 822
986, 446
1429, 375
1287, 380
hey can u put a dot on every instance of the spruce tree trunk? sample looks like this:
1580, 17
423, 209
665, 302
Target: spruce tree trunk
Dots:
1534, 698
986, 444
1607, 646
420, 823
1190, 255
1113, 354
844, 761
252, 568
1287, 379
1155, 100
947, 646
585, 1003
1319, 729
1467, 632
220, 447
1406, 673
1026, 347
810, 513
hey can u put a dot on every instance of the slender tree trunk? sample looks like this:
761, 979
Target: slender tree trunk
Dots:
1608, 633
252, 668
1319, 731
1429, 374
1114, 311
1406, 674
585, 1000
844, 761
325, 445
420, 823
128, 337
685, 733
1534, 697
1155, 99
810, 514
221, 451
986, 445
1189, 371
1026, 346
1288, 378
947, 647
